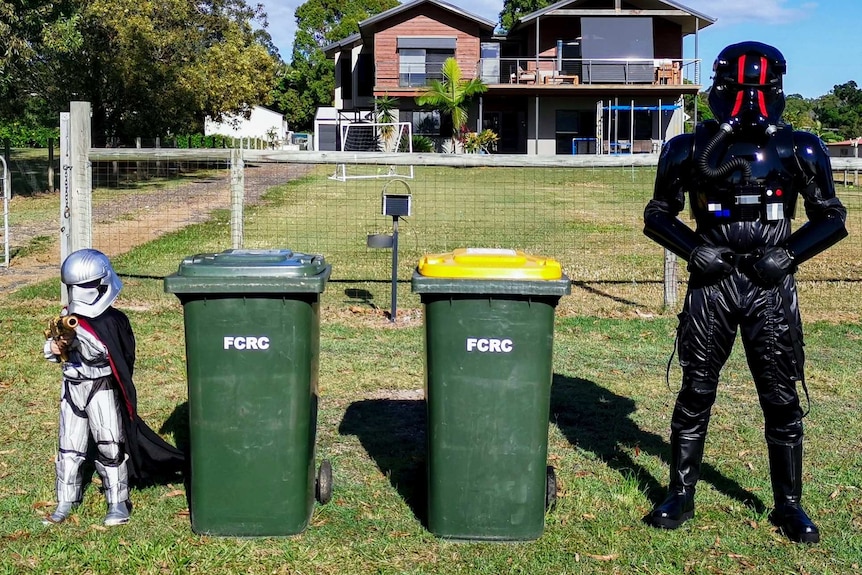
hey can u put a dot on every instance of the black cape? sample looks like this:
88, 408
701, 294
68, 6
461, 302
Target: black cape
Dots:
151, 458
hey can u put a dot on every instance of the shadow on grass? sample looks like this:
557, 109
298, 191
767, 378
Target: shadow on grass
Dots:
392, 431
598, 420
361, 296
597, 292
177, 424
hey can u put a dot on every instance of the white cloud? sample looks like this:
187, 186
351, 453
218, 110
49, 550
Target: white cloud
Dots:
752, 11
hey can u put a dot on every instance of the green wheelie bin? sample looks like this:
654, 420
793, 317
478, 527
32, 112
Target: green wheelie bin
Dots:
489, 332
252, 332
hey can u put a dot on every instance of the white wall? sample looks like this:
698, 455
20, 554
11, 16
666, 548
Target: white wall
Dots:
257, 125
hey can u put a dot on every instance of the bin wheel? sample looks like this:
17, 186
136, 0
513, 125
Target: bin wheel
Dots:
324, 482
550, 488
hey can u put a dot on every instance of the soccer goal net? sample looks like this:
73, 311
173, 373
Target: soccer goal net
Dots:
389, 137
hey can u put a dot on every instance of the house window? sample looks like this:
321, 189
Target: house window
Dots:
420, 60
411, 67
617, 49
425, 122
574, 131
643, 125
489, 53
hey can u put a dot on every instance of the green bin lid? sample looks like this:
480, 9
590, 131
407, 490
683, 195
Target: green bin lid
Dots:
247, 271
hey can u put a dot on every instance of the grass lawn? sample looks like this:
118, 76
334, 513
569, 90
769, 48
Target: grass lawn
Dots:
608, 428
607, 441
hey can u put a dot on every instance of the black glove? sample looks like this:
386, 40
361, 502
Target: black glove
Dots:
774, 263
708, 264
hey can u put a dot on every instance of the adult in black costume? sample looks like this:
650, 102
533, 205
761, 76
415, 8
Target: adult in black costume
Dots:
743, 173
98, 399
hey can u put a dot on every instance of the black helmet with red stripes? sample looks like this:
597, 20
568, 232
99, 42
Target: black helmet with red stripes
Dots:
747, 88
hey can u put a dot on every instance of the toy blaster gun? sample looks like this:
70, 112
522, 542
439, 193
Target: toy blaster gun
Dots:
60, 327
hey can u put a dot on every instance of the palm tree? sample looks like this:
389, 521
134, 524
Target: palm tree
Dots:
384, 108
451, 95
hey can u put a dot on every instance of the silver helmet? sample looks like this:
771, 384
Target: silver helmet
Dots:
91, 282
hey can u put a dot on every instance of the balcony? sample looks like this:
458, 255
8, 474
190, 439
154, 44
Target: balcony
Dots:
550, 71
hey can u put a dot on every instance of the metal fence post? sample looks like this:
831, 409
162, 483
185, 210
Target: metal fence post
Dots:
237, 191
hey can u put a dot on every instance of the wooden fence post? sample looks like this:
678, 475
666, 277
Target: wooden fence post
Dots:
237, 190
51, 165
81, 193
158, 163
670, 279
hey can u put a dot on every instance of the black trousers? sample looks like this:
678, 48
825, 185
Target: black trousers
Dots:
771, 328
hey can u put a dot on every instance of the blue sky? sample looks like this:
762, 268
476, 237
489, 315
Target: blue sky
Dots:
820, 39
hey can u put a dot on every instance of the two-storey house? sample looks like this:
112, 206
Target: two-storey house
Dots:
579, 76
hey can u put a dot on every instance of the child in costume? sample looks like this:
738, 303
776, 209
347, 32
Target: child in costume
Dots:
98, 396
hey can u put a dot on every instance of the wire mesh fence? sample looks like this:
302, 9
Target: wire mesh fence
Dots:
584, 212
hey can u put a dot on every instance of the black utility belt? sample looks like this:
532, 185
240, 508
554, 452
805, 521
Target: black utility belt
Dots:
99, 383
749, 204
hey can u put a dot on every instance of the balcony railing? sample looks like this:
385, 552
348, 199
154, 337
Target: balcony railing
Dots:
418, 75
554, 71
550, 71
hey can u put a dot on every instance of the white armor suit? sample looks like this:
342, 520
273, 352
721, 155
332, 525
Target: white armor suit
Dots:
95, 345
89, 405
90, 402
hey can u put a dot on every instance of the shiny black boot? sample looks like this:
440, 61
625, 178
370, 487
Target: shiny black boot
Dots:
676, 509
785, 467
678, 506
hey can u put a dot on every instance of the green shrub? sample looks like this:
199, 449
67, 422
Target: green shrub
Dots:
422, 144
20, 136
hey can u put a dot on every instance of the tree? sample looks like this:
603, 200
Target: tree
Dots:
697, 102
452, 95
150, 67
384, 110
22, 26
309, 81
799, 112
841, 109
515, 9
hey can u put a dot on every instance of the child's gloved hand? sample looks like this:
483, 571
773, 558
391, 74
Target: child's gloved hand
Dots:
60, 345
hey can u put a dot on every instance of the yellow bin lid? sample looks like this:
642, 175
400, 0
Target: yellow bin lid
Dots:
489, 263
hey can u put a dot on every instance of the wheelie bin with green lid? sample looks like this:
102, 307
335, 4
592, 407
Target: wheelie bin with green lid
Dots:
252, 331
489, 332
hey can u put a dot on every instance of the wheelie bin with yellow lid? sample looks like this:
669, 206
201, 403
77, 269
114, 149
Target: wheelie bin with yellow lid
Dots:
489, 332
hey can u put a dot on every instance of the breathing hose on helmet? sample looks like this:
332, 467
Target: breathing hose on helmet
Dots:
727, 167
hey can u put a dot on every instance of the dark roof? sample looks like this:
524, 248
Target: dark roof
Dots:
690, 21
439, 3
339, 45
372, 22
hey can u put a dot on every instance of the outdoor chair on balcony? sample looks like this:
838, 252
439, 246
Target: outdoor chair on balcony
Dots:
522, 76
668, 73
